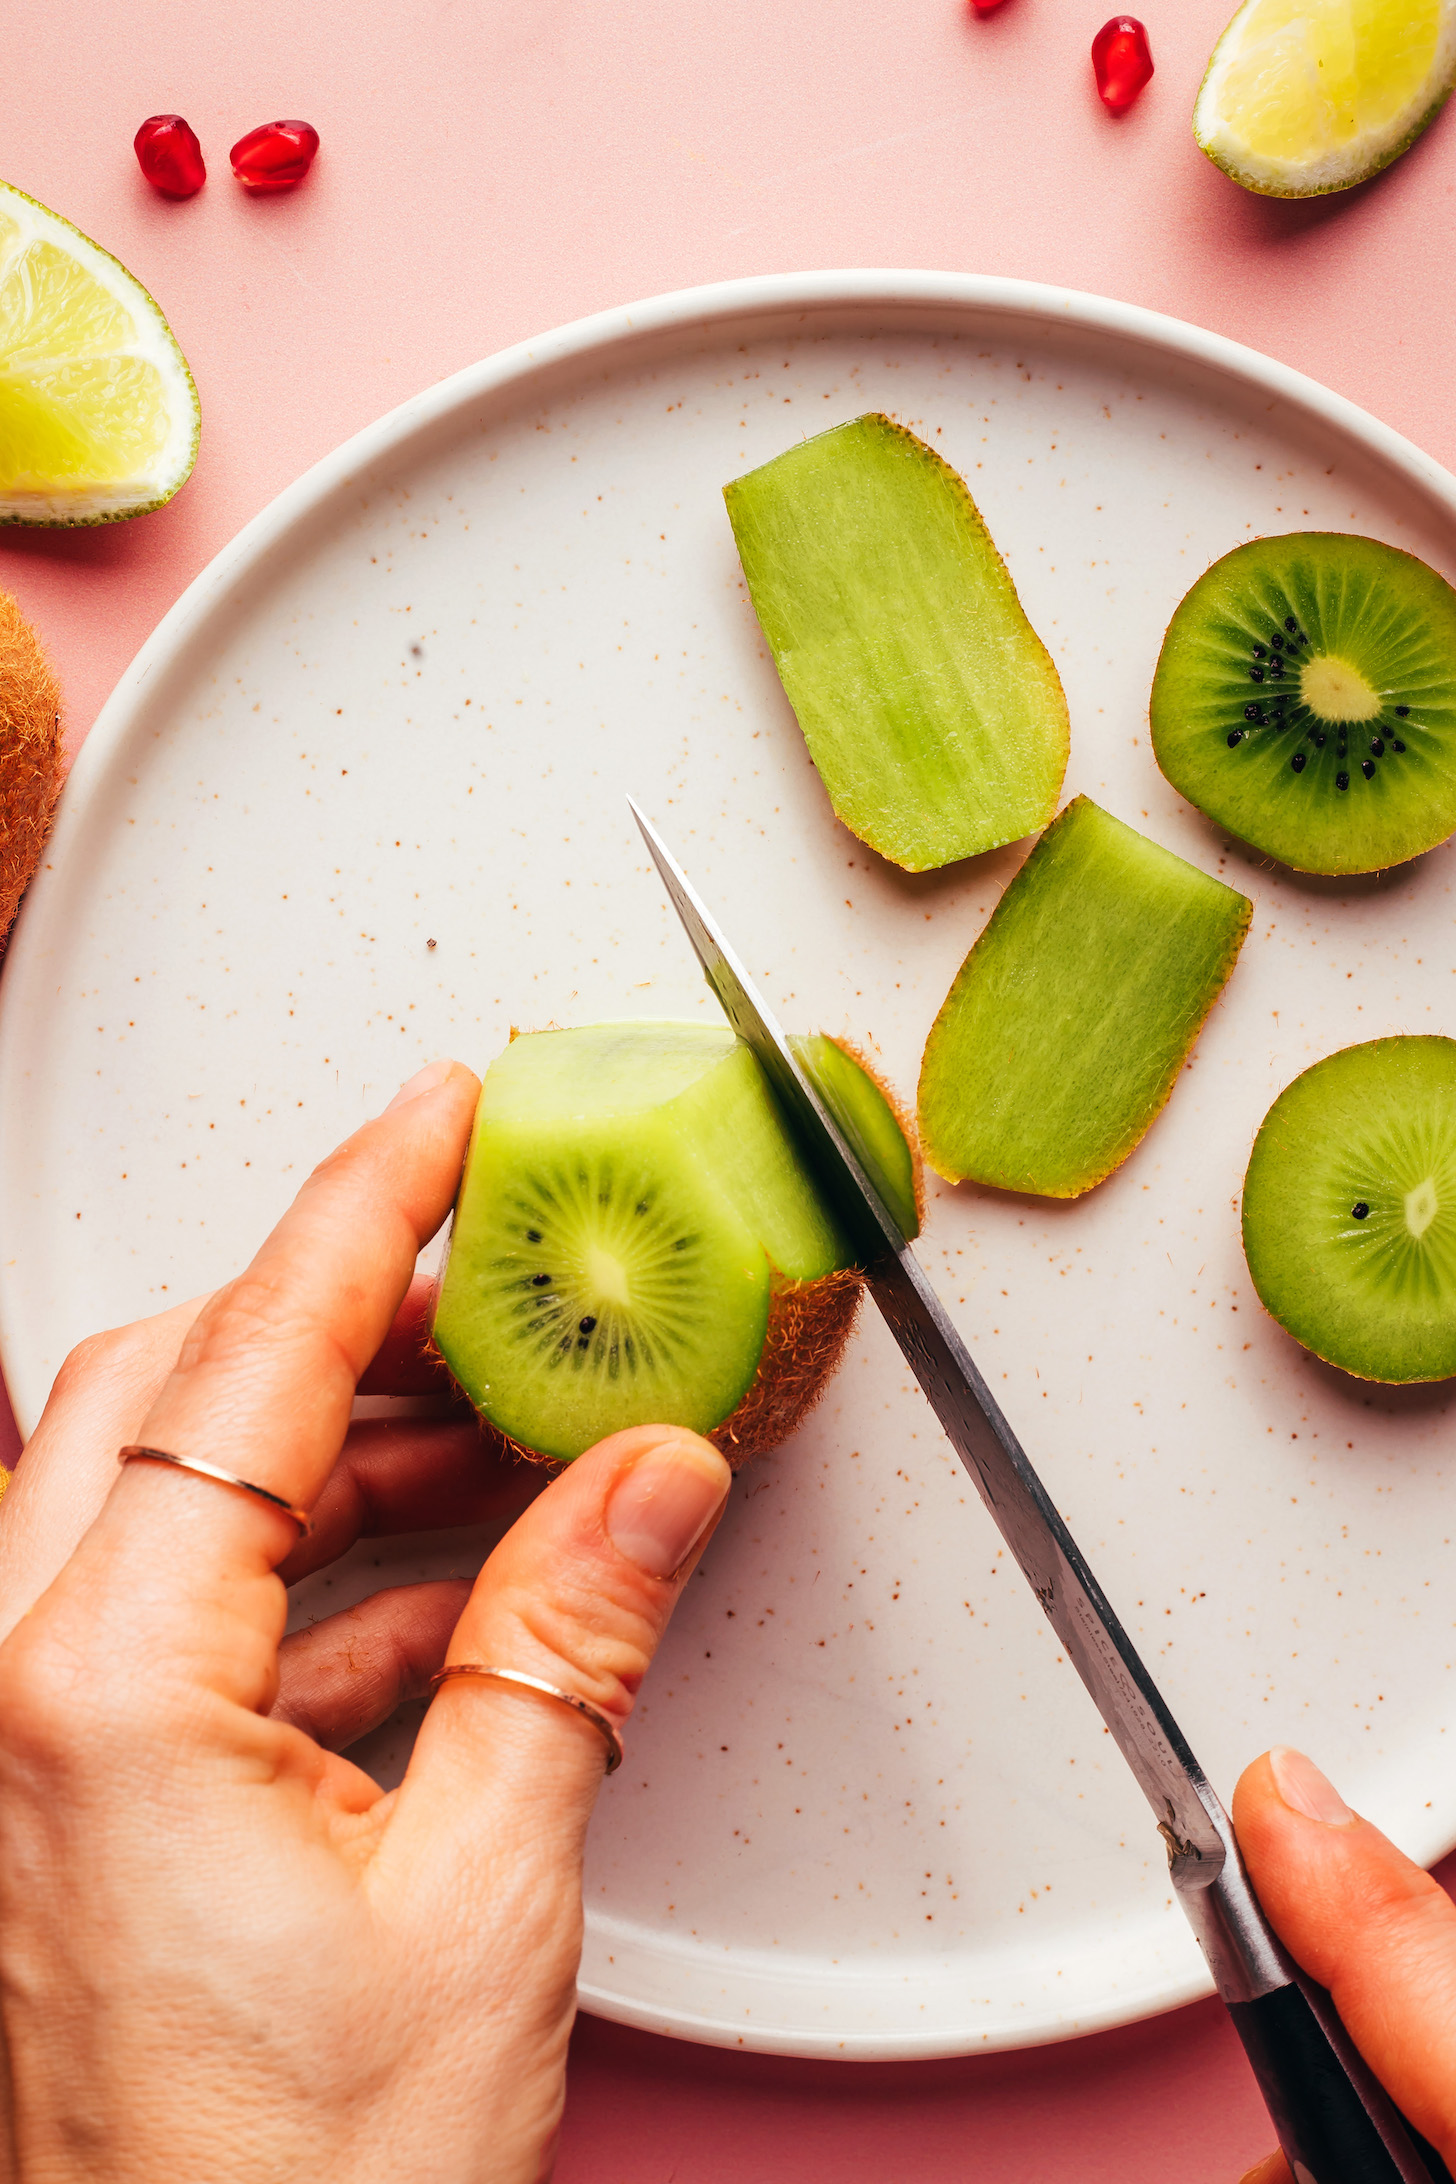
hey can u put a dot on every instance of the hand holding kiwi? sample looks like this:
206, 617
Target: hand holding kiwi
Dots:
30, 755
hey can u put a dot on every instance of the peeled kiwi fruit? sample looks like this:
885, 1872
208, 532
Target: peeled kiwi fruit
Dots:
636, 1240
877, 1127
30, 755
1350, 1209
1305, 698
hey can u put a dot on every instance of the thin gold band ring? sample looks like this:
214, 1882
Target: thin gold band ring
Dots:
584, 1707
134, 1453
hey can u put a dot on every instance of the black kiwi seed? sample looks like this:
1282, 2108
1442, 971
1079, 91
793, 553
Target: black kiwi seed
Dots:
1404, 711
539, 1281
586, 1325
1289, 622
1251, 712
1261, 652
1367, 767
1396, 744
1256, 674
1277, 641
533, 1236
1235, 735
1359, 1210
1298, 761
1377, 746
1342, 781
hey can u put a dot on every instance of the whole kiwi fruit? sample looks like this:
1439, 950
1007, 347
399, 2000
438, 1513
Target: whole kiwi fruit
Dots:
30, 755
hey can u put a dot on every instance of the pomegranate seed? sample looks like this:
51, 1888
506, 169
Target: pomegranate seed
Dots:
1121, 61
275, 156
170, 156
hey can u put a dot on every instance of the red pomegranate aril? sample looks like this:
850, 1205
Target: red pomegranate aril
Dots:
275, 156
170, 156
1122, 61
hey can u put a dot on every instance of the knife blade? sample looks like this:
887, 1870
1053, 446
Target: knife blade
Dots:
1333, 2118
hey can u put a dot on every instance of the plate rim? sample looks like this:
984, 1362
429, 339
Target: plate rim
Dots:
609, 333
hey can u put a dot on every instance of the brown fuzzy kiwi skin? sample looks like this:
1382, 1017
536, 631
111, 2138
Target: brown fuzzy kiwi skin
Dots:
809, 1324
30, 755
908, 1128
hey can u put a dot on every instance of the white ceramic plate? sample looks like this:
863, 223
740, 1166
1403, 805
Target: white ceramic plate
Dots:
868, 1810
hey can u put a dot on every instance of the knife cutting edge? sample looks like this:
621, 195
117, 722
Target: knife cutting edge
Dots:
1335, 2122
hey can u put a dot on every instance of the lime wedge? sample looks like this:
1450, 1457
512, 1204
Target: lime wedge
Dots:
1307, 96
98, 413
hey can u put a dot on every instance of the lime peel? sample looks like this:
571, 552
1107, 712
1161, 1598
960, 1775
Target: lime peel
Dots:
1304, 97
99, 417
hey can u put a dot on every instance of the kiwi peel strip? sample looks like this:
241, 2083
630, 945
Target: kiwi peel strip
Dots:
1070, 1019
930, 706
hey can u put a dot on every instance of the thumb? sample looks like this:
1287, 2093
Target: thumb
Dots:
1365, 1922
578, 1593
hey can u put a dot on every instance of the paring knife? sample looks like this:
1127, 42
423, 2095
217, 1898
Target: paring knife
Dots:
1335, 2122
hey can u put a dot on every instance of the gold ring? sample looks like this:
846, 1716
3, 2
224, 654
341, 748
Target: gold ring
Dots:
584, 1707
133, 1452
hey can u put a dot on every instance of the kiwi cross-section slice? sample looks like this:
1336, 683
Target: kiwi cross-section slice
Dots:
1305, 698
1069, 1020
636, 1240
1350, 1209
929, 704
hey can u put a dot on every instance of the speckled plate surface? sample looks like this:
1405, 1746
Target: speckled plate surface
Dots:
867, 1810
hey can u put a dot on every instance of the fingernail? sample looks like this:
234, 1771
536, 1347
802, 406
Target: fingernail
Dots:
662, 1508
423, 1080
1301, 1785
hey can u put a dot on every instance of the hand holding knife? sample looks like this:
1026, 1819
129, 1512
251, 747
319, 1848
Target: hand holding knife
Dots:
1335, 2122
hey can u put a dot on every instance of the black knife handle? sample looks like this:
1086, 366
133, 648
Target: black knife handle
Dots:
1335, 2122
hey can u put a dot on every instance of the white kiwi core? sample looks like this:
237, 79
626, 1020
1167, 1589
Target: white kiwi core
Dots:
606, 1276
1421, 1207
1336, 691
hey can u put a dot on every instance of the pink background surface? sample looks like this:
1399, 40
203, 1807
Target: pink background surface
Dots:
491, 168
